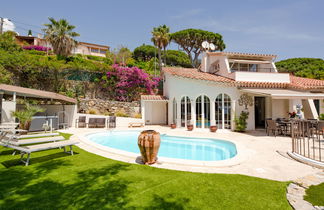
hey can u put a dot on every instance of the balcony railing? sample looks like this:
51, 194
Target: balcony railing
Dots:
265, 70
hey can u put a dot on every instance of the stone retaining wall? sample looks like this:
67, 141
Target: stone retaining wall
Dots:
108, 107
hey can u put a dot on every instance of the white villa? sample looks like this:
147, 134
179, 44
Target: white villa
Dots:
210, 95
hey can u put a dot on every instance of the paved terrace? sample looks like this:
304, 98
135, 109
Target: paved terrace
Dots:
260, 155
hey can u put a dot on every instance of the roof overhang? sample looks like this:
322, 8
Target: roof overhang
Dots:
32, 93
154, 98
284, 93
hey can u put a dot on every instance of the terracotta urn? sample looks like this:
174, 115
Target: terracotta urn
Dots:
213, 128
173, 126
149, 144
189, 127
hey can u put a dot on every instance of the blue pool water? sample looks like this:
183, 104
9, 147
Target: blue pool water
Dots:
171, 146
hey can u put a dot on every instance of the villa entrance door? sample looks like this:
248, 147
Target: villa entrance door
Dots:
259, 112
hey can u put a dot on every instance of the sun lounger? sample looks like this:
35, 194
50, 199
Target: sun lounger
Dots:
33, 141
40, 147
37, 135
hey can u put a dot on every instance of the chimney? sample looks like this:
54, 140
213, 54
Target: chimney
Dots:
204, 62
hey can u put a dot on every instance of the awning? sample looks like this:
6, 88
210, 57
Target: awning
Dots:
32, 93
154, 98
285, 94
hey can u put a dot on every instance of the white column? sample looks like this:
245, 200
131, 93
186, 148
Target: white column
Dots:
178, 113
193, 113
233, 114
185, 107
312, 108
14, 97
202, 112
212, 112
223, 112
143, 111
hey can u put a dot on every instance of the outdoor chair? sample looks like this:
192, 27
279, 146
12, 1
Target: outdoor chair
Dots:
101, 122
92, 123
97, 123
320, 128
81, 122
112, 122
39, 147
272, 127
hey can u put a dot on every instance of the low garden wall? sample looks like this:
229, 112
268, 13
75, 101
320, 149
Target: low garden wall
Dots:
105, 107
120, 121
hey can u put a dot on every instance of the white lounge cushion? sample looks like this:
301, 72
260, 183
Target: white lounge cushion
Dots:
36, 140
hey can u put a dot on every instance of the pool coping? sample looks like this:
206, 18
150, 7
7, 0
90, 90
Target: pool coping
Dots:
130, 157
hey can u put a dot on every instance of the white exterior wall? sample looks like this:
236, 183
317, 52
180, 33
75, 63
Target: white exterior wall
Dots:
7, 108
280, 108
176, 87
155, 112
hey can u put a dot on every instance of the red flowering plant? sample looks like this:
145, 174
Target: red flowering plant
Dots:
292, 114
128, 83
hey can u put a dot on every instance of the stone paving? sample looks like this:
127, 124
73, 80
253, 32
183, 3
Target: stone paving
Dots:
297, 189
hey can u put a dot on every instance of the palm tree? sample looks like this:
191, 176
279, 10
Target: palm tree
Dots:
161, 39
61, 36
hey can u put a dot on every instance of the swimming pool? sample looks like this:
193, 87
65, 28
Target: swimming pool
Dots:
188, 148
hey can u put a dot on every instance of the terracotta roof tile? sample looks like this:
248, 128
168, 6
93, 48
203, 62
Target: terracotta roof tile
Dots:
295, 82
153, 98
195, 74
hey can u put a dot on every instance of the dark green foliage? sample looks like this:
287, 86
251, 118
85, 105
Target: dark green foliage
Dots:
240, 122
56, 180
144, 52
8, 43
303, 67
321, 117
315, 194
177, 58
190, 41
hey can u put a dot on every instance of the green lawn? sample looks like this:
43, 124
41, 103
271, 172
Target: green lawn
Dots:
56, 180
315, 194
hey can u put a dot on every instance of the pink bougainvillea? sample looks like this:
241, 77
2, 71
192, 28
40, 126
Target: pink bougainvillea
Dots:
36, 47
128, 83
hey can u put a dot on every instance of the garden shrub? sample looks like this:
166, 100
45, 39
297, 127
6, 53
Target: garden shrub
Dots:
121, 113
240, 122
92, 111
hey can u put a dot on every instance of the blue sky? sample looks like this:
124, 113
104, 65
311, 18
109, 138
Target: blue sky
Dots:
288, 28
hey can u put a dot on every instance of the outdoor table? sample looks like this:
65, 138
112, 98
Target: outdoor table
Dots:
287, 126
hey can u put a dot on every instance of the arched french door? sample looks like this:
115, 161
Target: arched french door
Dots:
185, 111
223, 111
202, 112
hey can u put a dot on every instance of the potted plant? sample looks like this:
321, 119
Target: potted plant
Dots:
189, 125
25, 116
173, 125
213, 128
